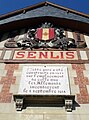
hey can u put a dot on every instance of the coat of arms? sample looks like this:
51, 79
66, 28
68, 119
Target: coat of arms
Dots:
46, 36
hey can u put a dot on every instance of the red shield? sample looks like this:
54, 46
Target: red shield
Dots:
45, 33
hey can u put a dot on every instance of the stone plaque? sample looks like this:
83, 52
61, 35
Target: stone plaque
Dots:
44, 80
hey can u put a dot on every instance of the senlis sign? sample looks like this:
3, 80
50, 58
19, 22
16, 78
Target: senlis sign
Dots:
45, 55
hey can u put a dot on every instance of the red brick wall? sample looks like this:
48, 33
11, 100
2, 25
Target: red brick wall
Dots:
5, 95
81, 81
8, 80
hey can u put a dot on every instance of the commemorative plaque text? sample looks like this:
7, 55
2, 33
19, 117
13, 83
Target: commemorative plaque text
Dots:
44, 80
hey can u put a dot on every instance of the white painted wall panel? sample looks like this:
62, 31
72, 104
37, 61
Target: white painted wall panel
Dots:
7, 54
83, 55
87, 40
70, 34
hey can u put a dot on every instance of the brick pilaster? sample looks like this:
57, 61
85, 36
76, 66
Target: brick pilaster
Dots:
81, 81
5, 95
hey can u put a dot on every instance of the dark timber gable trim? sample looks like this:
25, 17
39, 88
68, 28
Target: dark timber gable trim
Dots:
39, 5
59, 15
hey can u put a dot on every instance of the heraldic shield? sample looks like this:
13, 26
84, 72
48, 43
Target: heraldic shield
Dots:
45, 34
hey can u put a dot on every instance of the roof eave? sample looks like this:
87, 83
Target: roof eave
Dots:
23, 10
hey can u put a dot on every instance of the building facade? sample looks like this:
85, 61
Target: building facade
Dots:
44, 42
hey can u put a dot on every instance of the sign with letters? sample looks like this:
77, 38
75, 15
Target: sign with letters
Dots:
45, 55
44, 80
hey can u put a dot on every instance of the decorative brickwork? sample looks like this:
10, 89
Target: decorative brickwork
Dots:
5, 95
83, 97
10, 79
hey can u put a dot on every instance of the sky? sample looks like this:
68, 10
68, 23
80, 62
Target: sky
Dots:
7, 6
